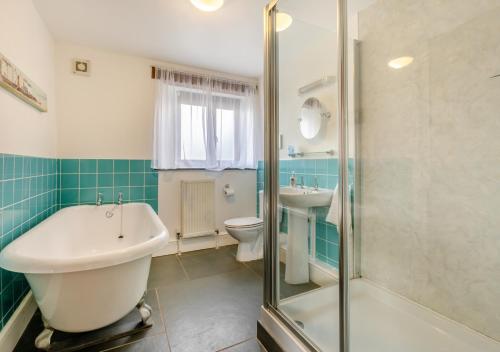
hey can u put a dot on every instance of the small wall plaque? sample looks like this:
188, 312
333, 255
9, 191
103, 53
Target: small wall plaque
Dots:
16, 82
81, 67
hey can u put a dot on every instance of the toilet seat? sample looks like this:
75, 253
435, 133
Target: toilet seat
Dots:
248, 222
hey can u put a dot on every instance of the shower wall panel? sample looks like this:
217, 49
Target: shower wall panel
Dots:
430, 155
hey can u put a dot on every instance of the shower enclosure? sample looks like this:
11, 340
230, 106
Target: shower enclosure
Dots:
411, 98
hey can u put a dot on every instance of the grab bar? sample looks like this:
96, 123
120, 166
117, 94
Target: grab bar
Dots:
301, 154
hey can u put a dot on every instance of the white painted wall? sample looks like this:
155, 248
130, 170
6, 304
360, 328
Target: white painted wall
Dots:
243, 203
306, 53
26, 42
110, 115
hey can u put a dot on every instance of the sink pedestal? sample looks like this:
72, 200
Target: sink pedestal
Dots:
300, 202
297, 254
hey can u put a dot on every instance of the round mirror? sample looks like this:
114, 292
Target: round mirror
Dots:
311, 117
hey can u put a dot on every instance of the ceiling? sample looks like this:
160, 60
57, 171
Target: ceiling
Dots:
229, 40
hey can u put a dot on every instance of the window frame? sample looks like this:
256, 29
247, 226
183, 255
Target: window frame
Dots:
211, 102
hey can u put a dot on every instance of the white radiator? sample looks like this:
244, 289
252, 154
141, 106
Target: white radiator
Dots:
197, 208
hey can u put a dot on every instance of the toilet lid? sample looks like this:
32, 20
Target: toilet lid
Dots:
243, 222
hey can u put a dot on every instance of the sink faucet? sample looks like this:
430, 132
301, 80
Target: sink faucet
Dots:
316, 186
293, 180
99, 199
120, 198
301, 184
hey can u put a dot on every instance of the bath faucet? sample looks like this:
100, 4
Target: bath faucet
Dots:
110, 213
99, 199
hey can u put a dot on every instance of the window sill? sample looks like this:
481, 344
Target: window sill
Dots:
193, 169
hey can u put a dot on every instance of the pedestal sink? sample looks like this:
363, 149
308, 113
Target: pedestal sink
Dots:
300, 201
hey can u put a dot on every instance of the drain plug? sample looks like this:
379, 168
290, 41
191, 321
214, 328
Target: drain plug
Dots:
120, 236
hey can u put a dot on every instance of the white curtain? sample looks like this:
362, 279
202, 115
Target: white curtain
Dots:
205, 123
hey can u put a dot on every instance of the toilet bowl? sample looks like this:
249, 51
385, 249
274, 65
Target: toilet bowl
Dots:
248, 231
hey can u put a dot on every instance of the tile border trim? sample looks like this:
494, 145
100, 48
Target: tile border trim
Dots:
14, 329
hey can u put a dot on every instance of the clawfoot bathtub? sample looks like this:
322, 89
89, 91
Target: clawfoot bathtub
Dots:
88, 266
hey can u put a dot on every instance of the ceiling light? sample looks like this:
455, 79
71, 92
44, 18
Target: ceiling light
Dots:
400, 62
283, 21
207, 5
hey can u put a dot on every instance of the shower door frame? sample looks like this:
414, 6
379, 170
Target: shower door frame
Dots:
271, 175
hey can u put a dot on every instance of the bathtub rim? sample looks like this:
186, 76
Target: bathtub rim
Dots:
12, 260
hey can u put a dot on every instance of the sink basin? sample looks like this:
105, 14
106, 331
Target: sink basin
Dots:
297, 197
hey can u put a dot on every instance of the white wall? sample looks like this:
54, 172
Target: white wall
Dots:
110, 115
306, 53
26, 42
243, 203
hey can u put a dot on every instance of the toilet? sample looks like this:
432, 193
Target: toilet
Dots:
248, 231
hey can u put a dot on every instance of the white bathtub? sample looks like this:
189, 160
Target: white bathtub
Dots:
82, 275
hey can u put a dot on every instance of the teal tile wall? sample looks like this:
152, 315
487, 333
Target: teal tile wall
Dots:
310, 171
82, 179
327, 239
32, 189
28, 195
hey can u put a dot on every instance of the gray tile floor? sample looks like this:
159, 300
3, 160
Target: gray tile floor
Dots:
203, 301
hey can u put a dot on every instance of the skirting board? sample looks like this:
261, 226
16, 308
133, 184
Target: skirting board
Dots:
320, 273
196, 243
12, 331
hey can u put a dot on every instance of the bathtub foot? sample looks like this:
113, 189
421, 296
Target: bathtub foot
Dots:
145, 311
42, 341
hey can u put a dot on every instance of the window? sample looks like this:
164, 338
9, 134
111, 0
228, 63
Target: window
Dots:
193, 122
227, 125
205, 123
225, 130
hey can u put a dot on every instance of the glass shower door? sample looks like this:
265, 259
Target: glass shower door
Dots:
413, 260
301, 169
